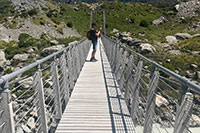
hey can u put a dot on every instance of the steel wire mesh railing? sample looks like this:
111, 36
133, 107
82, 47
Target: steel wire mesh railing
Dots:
158, 99
35, 101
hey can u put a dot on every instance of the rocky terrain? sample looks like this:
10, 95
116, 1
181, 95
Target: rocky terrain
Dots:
39, 28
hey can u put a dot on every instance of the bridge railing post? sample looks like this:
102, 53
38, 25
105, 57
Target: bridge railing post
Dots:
183, 114
128, 77
135, 92
56, 88
151, 103
64, 81
6, 111
40, 105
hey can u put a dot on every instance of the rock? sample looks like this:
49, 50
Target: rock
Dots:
127, 34
197, 75
174, 52
26, 129
193, 66
135, 42
115, 30
188, 9
196, 52
31, 50
188, 74
72, 42
160, 100
183, 36
19, 130
126, 39
168, 60
3, 60
177, 7
171, 39
31, 123
146, 48
21, 57
76, 8
167, 47
26, 83
50, 50
159, 21
195, 121
4, 37
54, 42
196, 35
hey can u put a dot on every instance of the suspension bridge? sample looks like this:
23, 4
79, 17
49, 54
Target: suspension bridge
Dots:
68, 93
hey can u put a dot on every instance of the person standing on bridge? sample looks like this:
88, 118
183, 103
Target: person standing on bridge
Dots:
94, 34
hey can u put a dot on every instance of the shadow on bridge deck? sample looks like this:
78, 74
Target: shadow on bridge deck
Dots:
96, 104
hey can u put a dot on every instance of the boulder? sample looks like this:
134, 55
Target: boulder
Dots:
193, 66
197, 75
196, 52
2, 58
5, 38
127, 34
188, 74
174, 52
160, 100
126, 39
26, 129
54, 42
183, 36
31, 123
50, 50
196, 35
171, 39
26, 83
76, 8
135, 42
159, 21
115, 30
146, 48
19, 130
21, 57
195, 121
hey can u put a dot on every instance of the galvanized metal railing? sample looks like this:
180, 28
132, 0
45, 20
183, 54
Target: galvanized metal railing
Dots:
33, 98
159, 100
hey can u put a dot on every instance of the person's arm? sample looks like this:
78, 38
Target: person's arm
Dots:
99, 31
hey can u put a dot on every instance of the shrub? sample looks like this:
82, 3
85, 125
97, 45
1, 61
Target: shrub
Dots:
144, 23
26, 40
70, 24
32, 12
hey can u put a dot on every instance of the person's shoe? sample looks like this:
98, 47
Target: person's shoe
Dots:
95, 59
92, 59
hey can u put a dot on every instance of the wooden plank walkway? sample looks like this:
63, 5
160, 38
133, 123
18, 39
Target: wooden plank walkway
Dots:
96, 105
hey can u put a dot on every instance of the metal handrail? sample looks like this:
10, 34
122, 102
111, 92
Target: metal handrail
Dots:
128, 68
184, 80
8, 77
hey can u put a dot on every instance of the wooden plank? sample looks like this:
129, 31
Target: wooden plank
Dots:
89, 108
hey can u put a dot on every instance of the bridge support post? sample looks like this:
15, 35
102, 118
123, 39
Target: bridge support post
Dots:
38, 85
121, 72
136, 91
104, 21
183, 114
64, 82
56, 87
148, 125
6, 111
128, 77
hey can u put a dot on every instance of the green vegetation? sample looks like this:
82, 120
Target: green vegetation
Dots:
6, 9
70, 24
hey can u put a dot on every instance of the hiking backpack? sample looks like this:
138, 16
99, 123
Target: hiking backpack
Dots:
89, 35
